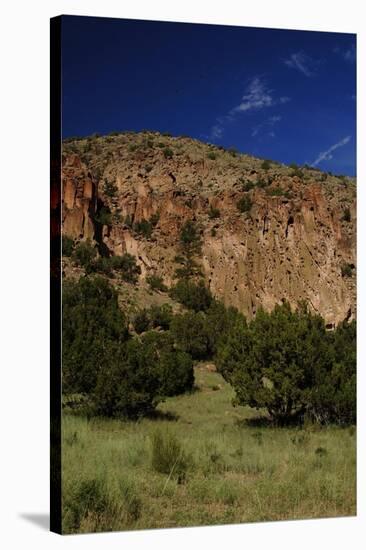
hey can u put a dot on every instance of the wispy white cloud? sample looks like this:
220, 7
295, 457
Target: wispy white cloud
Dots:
327, 155
257, 96
350, 54
216, 131
302, 63
267, 125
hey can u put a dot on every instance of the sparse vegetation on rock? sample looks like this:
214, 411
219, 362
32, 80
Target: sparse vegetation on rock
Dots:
156, 283
213, 213
67, 246
183, 190
244, 204
193, 296
347, 270
84, 255
346, 215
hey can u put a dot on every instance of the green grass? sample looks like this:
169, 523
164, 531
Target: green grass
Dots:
235, 469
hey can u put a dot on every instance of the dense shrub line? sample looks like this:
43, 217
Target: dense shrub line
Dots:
85, 255
283, 361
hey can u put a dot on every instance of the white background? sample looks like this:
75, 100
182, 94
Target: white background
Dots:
24, 304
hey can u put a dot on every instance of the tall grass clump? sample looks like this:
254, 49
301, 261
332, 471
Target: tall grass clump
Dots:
168, 456
132, 503
88, 501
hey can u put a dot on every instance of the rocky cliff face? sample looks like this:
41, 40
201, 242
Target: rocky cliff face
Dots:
79, 199
295, 241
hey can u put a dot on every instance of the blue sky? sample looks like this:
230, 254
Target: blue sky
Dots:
278, 94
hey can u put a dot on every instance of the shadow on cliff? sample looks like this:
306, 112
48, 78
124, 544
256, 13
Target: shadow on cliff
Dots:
98, 230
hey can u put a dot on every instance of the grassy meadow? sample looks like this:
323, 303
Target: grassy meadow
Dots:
200, 461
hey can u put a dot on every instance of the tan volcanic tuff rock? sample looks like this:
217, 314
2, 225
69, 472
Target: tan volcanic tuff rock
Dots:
79, 199
291, 245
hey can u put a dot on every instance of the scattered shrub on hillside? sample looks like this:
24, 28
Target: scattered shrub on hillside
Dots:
110, 189
96, 171
104, 216
213, 213
87, 146
102, 265
266, 165
189, 237
161, 316
247, 185
189, 268
233, 151
154, 219
144, 228
212, 155
141, 321
278, 192
168, 153
296, 170
244, 204
128, 221
156, 283
347, 270
262, 183
194, 296
213, 232
190, 244
84, 254
116, 217
346, 215
324, 176
67, 245
127, 266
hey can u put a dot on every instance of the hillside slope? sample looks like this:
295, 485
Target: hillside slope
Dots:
293, 238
